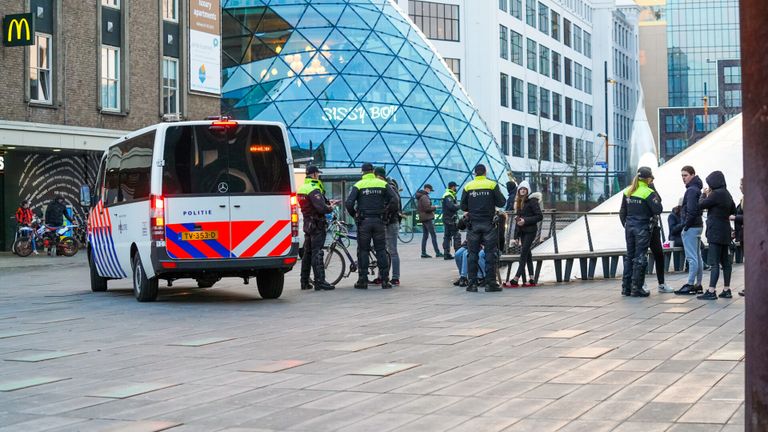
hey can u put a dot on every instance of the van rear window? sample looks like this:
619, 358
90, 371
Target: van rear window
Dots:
214, 160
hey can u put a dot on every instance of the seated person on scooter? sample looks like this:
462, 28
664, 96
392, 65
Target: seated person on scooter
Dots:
461, 263
24, 217
55, 214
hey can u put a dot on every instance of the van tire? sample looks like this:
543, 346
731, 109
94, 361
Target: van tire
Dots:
144, 289
98, 283
270, 283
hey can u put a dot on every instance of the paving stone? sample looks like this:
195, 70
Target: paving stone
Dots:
12, 334
710, 412
536, 425
565, 409
612, 410
550, 391
642, 427
589, 352
18, 384
427, 404
201, 342
485, 424
564, 334
385, 369
381, 422
661, 411
473, 332
272, 367
682, 393
519, 408
128, 390
34, 356
589, 426
145, 426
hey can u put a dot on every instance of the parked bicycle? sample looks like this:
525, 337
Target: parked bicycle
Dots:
405, 234
58, 240
338, 261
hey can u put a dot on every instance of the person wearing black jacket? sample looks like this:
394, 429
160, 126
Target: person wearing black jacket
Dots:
638, 208
719, 205
56, 212
511, 196
450, 219
692, 227
675, 224
527, 217
738, 225
480, 198
392, 221
314, 206
658, 250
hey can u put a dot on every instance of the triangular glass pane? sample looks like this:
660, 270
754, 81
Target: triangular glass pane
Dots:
278, 70
471, 155
437, 129
248, 17
425, 52
316, 36
399, 123
356, 119
413, 180
292, 109
417, 155
237, 80
331, 12
405, 193
273, 88
361, 84
312, 19
374, 44
437, 182
356, 37
419, 99
454, 160
359, 66
232, 26
319, 65
350, 19
290, 13
318, 83
255, 110
403, 27
419, 117
379, 61
296, 44
394, 43
271, 113
398, 143
337, 41
375, 152
335, 150
380, 93
397, 70
437, 148
461, 177
257, 95
339, 90
340, 58
455, 127
431, 80
415, 68
304, 138
468, 139
312, 117
355, 141
437, 97
407, 52
466, 109
384, 26
400, 89
293, 90
380, 113
452, 109
369, 16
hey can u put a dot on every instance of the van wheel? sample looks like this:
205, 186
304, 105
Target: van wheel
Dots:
207, 283
144, 289
270, 283
98, 283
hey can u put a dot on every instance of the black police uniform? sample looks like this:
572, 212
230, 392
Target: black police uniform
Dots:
450, 208
637, 213
480, 198
369, 201
314, 207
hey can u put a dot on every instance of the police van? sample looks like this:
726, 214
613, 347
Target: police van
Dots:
195, 199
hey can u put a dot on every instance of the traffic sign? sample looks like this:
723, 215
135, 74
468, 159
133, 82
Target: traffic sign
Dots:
601, 164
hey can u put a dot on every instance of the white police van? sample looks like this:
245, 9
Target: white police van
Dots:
195, 199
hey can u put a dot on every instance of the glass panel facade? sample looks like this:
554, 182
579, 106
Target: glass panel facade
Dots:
516, 42
531, 55
503, 42
517, 94
533, 99
544, 60
533, 145
517, 140
505, 137
543, 18
530, 12
437, 21
504, 89
555, 26
516, 8
356, 82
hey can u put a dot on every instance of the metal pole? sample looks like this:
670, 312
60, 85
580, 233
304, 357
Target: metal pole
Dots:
605, 83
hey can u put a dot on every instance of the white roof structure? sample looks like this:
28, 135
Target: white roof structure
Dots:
720, 150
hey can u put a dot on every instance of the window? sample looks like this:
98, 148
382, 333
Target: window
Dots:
171, 10
517, 94
568, 73
706, 123
504, 90
40, 69
533, 145
170, 85
732, 74
516, 40
587, 45
111, 3
110, 78
544, 102
674, 146
588, 117
503, 42
505, 137
732, 99
531, 55
436, 20
566, 32
555, 25
580, 151
577, 38
454, 65
545, 146
544, 60
589, 153
555, 66
579, 114
543, 18
128, 172
503, 5
517, 140
530, 12
578, 76
587, 81
516, 8
675, 123
533, 99
569, 150
568, 111
557, 148
556, 107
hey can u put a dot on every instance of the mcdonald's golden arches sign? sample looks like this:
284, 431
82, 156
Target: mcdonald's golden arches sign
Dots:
18, 30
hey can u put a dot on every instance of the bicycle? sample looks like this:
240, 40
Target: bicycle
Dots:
405, 234
338, 258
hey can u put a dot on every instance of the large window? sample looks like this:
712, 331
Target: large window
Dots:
533, 101
557, 107
516, 41
545, 146
555, 66
517, 94
706, 123
503, 5
588, 117
675, 123
555, 25
568, 111
674, 146
40, 69
580, 151
530, 12
567, 70
170, 85
577, 40
587, 81
504, 89
732, 74
517, 140
732, 99
129, 167
566, 32
503, 42
587, 45
171, 10
516, 8
454, 65
544, 60
543, 18
437, 21
531, 55
505, 137
579, 116
544, 102
569, 150
557, 147
533, 144
578, 76
110, 78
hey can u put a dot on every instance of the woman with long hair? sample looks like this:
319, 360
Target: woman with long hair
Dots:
640, 206
718, 203
527, 217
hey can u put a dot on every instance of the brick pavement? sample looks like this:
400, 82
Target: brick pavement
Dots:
426, 356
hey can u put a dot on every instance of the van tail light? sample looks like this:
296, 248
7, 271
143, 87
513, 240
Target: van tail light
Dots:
294, 215
157, 217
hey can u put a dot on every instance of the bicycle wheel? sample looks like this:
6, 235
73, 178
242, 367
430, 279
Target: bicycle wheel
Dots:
22, 247
67, 247
334, 265
405, 234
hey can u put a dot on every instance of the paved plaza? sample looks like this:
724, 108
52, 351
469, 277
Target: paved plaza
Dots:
425, 356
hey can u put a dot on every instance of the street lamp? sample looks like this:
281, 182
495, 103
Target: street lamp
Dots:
607, 186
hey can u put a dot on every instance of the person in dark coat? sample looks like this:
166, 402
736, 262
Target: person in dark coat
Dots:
719, 205
450, 218
527, 217
427, 219
675, 224
511, 196
657, 249
738, 223
692, 227
56, 212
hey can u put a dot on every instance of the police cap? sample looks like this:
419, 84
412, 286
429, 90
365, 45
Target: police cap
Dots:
367, 167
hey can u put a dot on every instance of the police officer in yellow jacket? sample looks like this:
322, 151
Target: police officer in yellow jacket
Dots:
369, 202
480, 198
314, 206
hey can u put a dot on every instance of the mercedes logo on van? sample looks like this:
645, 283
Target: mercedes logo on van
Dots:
223, 187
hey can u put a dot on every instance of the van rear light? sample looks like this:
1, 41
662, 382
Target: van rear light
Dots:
289, 261
156, 217
294, 215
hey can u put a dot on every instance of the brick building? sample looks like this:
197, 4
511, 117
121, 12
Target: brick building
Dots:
94, 70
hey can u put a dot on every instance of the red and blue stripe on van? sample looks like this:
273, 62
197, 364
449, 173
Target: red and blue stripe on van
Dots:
103, 251
248, 239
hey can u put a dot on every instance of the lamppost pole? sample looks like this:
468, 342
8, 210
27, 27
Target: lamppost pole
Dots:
605, 83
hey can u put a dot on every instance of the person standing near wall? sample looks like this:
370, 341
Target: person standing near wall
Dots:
450, 219
718, 203
692, 227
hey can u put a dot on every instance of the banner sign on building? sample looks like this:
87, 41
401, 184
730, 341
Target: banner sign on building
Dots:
18, 30
205, 46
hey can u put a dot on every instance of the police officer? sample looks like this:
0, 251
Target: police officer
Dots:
451, 232
314, 207
480, 199
369, 201
640, 206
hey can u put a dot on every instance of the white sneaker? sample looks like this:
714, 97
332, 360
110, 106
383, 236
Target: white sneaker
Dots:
645, 288
36, 252
664, 288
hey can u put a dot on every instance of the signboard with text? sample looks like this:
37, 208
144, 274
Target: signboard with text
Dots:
18, 30
205, 46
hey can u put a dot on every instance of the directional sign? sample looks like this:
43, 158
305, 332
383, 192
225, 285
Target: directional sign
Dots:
601, 164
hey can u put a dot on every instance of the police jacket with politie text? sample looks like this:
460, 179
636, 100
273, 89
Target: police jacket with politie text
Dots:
640, 207
314, 205
480, 198
370, 197
450, 207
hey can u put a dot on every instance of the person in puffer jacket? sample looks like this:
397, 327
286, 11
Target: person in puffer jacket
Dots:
718, 203
527, 217
692, 226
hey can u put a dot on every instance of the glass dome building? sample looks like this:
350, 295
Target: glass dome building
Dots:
354, 81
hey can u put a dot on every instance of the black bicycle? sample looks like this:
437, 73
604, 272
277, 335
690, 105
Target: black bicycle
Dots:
338, 261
